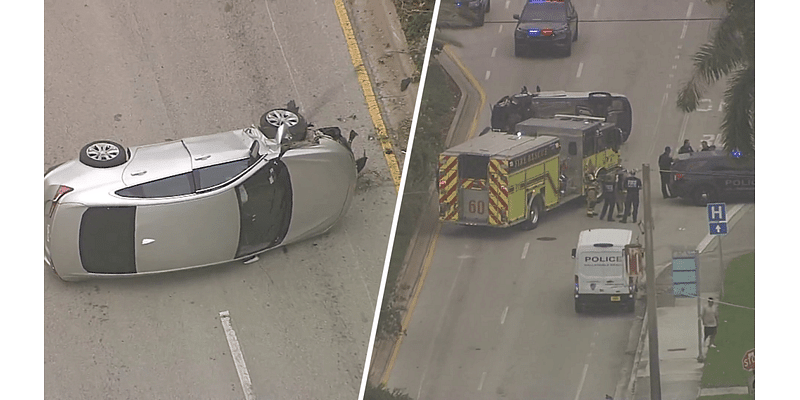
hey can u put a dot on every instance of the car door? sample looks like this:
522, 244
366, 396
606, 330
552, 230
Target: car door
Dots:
264, 208
191, 231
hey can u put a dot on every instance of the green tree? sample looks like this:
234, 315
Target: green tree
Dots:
731, 54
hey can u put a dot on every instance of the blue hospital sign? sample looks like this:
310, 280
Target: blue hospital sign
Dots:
716, 212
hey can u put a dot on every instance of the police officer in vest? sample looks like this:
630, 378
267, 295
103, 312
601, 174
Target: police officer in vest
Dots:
632, 186
592, 190
620, 182
609, 196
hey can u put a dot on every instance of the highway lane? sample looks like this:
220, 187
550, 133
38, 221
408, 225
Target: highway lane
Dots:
495, 317
144, 72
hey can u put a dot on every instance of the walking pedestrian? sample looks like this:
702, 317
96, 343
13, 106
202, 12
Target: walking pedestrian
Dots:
664, 166
608, 197
632, 186
710, 318
686, 148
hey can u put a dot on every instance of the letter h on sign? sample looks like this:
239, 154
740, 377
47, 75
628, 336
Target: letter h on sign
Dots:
716, 212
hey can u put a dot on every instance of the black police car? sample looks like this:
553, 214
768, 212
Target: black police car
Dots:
473, 10
546, 23
709, 176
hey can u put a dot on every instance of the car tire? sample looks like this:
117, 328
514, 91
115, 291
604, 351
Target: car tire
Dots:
578, 307
703, 195
568, 51
481, 19
103, 154
488, 6
268, 124
575, 37
534, 214
518, 50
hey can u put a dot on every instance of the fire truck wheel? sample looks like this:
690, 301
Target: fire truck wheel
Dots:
535, 214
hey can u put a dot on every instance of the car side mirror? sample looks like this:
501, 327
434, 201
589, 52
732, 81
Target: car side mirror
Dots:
573, 253
515, 16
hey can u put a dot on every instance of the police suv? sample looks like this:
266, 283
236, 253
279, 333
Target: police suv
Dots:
708, 176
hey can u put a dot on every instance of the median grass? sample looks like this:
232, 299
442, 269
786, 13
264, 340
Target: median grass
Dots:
736, 331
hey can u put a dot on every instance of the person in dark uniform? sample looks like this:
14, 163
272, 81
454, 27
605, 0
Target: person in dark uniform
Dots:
632, 185
609, 197
620, 182
686, 148
664, 165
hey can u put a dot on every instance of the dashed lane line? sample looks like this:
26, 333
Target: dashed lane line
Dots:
238, 357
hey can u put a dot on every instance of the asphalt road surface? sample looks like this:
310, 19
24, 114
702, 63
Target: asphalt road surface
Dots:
495, 318
147, 71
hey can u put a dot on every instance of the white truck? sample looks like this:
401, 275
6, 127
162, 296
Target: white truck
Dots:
608, 265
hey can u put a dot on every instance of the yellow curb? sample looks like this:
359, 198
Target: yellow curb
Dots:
412, 304
369, 94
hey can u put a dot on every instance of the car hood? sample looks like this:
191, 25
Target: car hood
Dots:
323, 184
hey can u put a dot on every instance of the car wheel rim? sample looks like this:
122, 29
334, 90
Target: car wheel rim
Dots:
535, 215
278, 117
102, 151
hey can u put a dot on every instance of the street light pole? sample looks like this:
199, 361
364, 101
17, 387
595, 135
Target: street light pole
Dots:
655, 371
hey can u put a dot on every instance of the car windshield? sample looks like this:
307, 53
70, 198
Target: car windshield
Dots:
552, 12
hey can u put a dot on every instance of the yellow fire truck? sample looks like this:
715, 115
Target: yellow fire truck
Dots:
504, 179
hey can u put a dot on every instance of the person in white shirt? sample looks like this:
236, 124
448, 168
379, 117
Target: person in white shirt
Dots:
710, 319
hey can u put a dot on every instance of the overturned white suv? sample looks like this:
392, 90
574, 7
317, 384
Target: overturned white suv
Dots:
198, 201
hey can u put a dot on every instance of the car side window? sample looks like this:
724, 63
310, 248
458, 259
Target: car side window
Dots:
214, 175
172, 186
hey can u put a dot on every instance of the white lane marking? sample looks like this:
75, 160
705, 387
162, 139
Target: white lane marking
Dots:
488, 74
494, 52
596, 9
238, 357
655, 130
677, 57
483, 377
680, 46
686, 23
288, 67
675, 66
669, 86
503, 317
508, 3
583, 378
671, 75
683, 128
525, 250
500, 30
580, 69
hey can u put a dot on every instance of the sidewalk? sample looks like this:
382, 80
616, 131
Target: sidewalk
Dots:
680, 370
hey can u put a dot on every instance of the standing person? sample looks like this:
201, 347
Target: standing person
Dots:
664, 165
620, 182
592, 190
686, 148
609, 197
632, 186
710, 319
705, 147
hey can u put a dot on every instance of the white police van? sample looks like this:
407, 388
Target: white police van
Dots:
607, 268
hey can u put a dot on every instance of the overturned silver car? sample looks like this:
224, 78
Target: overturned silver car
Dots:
198, 201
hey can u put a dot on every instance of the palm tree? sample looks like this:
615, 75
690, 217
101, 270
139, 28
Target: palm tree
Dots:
730, 53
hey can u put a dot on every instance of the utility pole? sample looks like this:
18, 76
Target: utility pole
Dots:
655, 370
